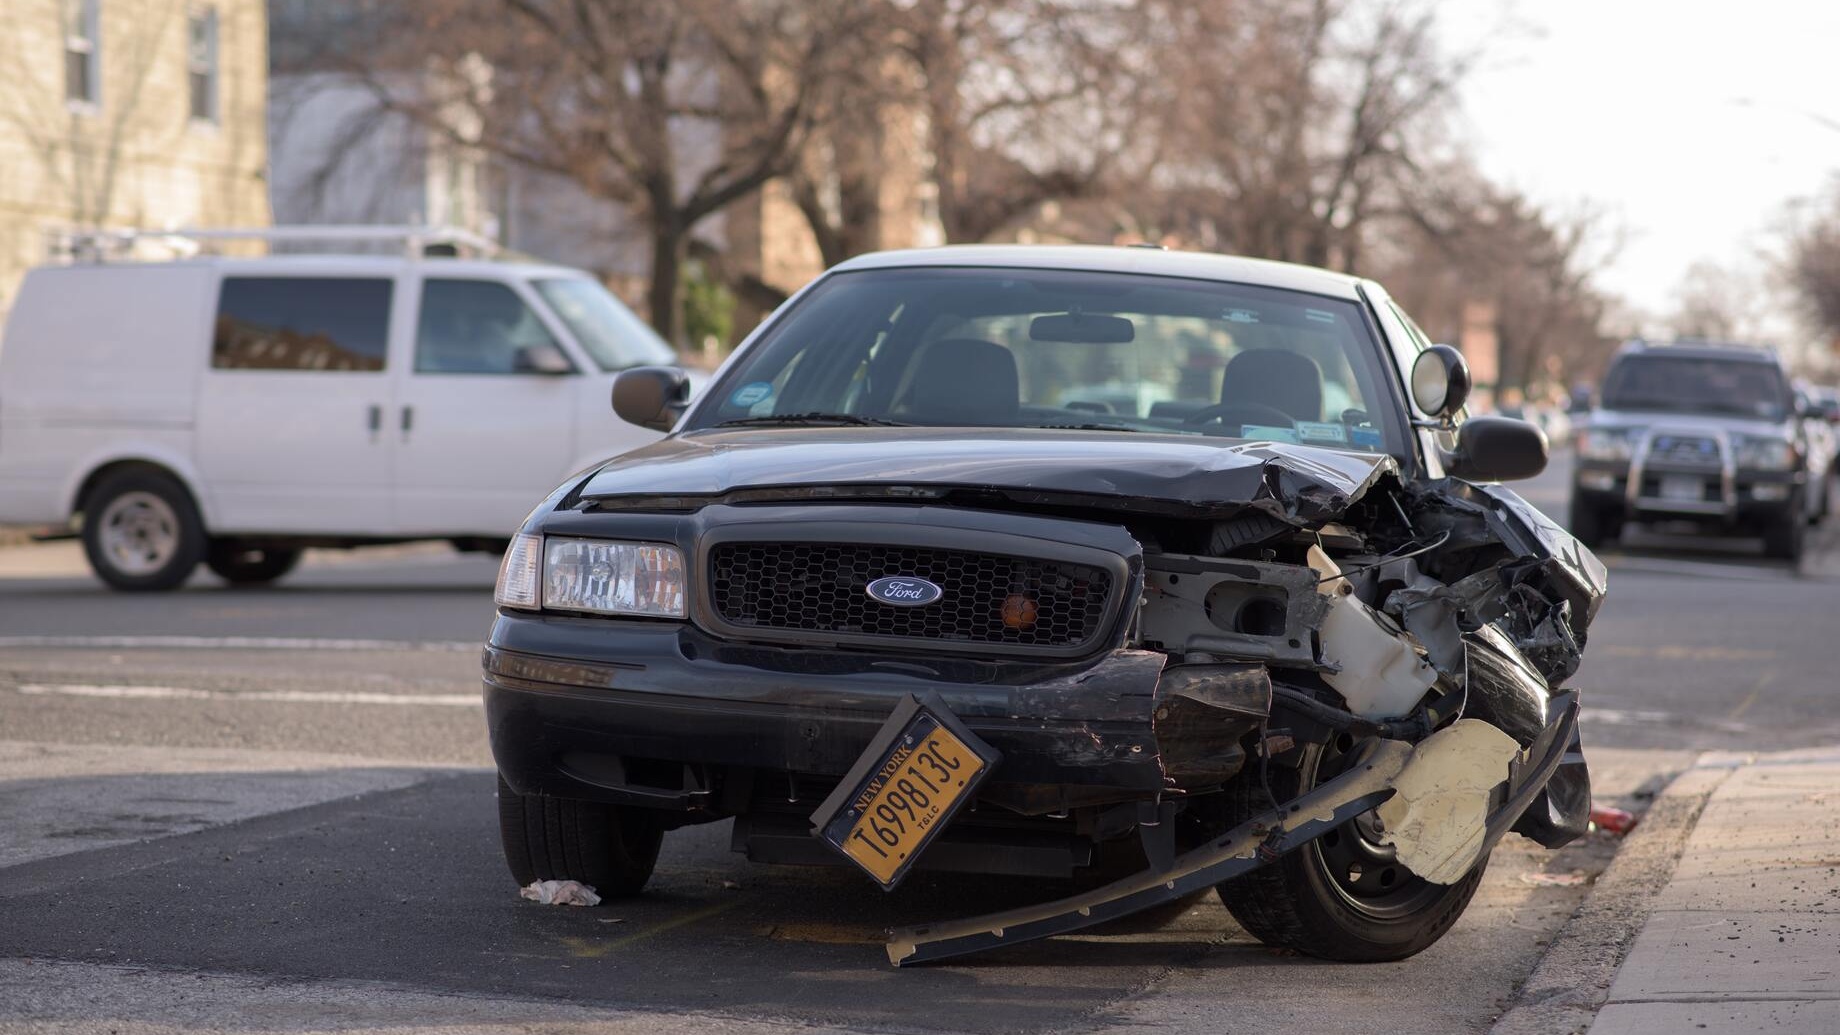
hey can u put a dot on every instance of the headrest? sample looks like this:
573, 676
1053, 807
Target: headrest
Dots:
966, 381
1277, 378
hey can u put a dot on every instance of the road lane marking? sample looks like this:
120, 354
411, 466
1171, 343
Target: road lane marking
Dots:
185, 693
1764, 680
232, 643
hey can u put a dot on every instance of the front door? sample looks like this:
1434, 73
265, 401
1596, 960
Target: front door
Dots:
485, 424
291, 409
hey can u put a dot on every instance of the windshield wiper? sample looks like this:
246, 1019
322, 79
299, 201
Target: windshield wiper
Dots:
815, 418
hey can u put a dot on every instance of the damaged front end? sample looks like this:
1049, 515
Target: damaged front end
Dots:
1421, 631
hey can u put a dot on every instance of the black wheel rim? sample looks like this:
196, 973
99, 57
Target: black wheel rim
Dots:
1364, 873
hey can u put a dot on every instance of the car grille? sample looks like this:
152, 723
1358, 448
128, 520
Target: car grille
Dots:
820, 588
1684, 451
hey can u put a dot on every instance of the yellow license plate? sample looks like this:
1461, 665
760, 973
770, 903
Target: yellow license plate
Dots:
904, 792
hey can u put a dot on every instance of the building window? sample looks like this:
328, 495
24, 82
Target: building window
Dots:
82, 32
201, 63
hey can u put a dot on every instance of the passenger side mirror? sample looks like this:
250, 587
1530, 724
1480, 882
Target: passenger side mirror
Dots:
651, 397
1497, 449
1440, 381
542, 358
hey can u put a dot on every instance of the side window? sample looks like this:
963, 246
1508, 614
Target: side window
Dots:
302, 323
479, 327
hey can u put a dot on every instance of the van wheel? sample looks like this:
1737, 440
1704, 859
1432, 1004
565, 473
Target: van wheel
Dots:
242, 565
607, 847
1343, 896
141, 531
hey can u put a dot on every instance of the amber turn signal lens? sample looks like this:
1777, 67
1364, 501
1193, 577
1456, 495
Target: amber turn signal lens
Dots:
1019, 611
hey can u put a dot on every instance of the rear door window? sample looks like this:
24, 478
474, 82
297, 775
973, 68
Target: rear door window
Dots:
302, 323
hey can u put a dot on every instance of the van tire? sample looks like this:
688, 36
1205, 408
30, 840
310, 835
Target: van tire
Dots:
610, 848
141, 530
242, 565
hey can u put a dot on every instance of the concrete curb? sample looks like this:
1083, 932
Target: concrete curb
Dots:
1570, 983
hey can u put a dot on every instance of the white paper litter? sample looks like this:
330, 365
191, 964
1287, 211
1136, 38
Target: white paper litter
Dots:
561, 893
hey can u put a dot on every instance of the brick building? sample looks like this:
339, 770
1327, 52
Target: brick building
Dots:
117, 113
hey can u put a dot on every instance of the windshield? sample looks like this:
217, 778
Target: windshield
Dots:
1088, 350
1691, 384
611, 334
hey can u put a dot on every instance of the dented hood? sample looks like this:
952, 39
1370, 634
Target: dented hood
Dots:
1142, 472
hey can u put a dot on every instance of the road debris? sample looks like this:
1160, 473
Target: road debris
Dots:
1612, 820
560, 893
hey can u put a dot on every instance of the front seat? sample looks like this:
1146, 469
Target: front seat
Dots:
1274, 378
966, 381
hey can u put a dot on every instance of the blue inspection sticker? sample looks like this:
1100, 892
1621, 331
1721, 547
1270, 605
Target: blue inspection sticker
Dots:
1365, 438
752, 394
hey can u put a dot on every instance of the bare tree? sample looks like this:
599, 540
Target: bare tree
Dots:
1716, 302
1812, 266
673, 111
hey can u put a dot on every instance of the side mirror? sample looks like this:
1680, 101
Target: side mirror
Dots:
1440, 381
651, 397
543, 358
1497, 449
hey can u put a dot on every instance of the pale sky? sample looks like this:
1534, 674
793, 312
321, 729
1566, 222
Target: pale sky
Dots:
1687, 123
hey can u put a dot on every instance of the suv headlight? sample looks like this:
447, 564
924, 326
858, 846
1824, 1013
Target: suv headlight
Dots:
603, 576
1604, 444
1765, 453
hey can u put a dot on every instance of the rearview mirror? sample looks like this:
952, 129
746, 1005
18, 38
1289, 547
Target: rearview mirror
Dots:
1440, 381
1083, 329
1497, 449
651, 397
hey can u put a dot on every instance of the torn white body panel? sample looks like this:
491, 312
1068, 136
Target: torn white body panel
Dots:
1438, 819
1378, 671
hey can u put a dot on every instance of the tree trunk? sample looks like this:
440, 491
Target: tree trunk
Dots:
665, 295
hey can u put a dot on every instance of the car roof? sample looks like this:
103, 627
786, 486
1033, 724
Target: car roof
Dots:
319, 265
1701, 350
1118, 259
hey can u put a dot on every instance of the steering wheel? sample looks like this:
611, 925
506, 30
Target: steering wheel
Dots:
1259, 412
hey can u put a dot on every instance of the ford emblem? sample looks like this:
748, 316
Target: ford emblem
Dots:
903, 591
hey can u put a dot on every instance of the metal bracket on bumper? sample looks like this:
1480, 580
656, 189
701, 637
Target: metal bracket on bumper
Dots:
1244, 848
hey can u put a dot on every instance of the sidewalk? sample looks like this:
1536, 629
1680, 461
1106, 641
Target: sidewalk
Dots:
1745, 937
1721, 913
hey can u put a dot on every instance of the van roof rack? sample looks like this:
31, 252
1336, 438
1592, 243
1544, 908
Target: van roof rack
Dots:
101, 245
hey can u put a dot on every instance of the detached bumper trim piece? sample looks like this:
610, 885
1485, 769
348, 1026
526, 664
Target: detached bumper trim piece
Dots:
1244, 848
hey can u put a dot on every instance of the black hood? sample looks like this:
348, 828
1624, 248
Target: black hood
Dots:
1170, 474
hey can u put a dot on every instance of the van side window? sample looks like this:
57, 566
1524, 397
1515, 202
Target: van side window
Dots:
302, 323
477, 327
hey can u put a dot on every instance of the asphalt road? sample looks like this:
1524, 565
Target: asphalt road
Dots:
279, 795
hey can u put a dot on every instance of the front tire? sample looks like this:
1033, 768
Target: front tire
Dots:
1787, 533
610, 848
141, 531
1590, 525
242, 565
1343, 896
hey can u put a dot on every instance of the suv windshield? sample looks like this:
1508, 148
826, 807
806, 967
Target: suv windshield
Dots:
609, 331
1697, 384
1062, 349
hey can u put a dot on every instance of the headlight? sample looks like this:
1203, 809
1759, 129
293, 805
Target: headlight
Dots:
517, 574
1766, 454
610, 577
1603, 444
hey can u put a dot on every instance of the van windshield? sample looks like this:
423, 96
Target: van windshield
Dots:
609, 331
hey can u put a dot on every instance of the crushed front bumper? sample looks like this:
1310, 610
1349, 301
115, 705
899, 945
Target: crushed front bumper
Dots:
657, 715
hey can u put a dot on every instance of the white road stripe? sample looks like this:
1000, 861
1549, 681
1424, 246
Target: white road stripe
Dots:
232, 643
184, 693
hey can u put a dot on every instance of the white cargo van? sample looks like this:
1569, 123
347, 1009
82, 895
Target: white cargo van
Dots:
234, 411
